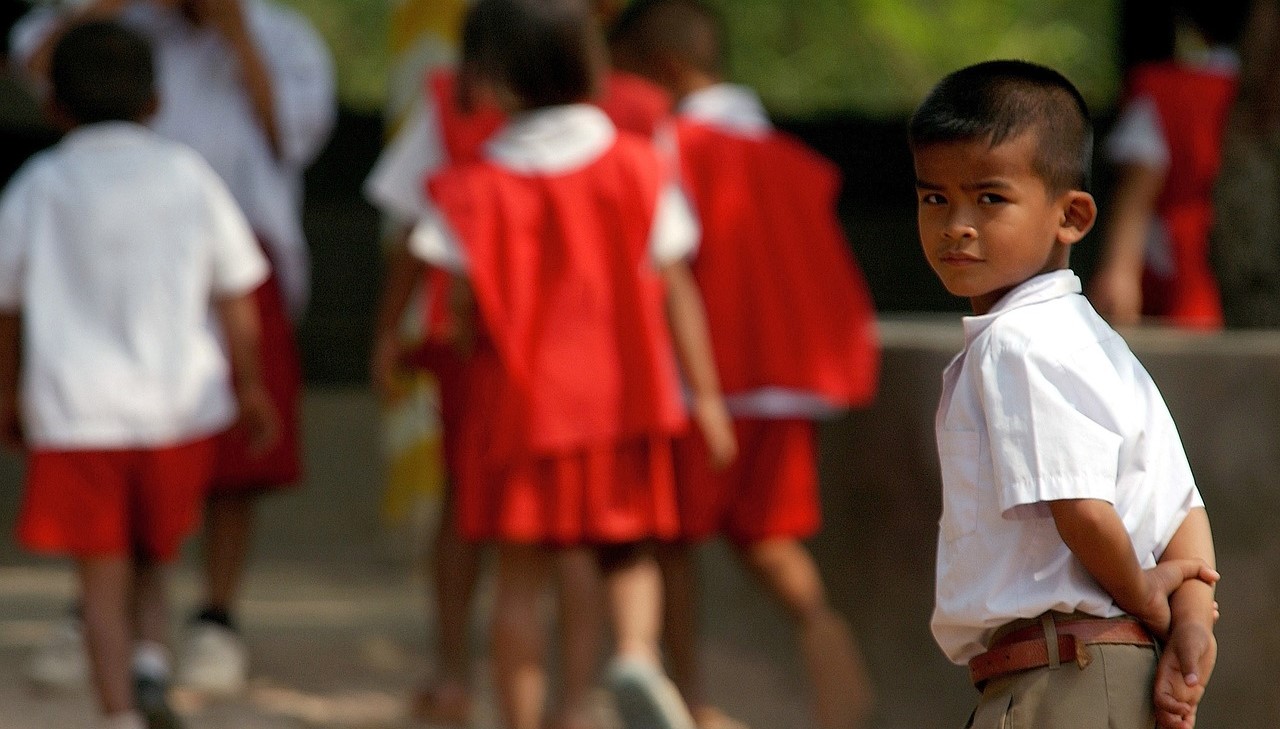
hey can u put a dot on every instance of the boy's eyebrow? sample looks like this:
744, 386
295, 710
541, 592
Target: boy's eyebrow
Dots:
994, 183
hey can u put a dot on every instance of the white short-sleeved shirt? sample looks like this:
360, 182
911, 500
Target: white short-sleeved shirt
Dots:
550, 141
395, 185
1046, 402
113, 244
203, 103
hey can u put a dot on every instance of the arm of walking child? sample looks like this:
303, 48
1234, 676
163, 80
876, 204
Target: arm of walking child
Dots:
1094, 532
688, 322
403, 272
1116, 289
10, 342
238, 316
1190, 655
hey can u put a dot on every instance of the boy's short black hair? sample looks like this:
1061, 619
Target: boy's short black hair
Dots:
545, 52
1000, 100
102, 71
687, 29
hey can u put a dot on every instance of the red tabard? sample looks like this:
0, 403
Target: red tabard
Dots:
462, 133
786, 303
634, 103
567, 295
1193, 135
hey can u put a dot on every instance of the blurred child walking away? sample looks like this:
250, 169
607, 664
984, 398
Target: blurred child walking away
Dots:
441, 132
1075, 559
249, 85
114, 245
566, 237
793, 330
1167, 151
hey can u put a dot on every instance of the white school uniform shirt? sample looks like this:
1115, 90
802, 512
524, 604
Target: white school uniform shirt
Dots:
737, 110
549, 141
113, 244
1045, 402
397, 183
203, 103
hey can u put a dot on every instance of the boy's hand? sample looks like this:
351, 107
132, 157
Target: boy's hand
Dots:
1161, 581
258, 418
717, 430
1183, 673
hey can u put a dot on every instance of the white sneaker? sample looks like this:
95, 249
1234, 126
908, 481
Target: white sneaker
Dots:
645, 697
214, 661
61, 662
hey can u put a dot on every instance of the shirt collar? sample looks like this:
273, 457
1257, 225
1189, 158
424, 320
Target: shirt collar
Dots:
104, 132
728, 106
1045, 287
553, 139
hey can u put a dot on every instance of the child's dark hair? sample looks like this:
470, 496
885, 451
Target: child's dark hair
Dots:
102, 71
687, 29
998, 101
545, 52
1220, 21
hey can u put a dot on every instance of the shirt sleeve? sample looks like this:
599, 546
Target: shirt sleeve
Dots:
396, 184
1138, 137
675, 233
303, 83
239, 266
1044, 444
434, 241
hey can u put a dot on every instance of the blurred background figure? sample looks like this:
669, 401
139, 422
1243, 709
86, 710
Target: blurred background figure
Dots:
1244, 245
793, 330
249, 85
1167, 146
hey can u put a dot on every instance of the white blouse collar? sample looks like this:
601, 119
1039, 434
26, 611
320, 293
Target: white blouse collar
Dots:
1045, 287
729, 106
553, 139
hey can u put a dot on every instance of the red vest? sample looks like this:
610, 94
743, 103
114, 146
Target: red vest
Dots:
567, 295
1193, 107
786, 303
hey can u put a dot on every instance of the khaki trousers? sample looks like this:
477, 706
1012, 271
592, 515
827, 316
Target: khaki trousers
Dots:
1112, 692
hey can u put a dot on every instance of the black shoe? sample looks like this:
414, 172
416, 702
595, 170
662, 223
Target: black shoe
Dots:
152, 698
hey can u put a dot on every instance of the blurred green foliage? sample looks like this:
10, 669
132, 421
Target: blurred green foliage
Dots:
817, 57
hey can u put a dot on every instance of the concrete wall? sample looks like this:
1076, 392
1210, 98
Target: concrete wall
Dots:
881, 494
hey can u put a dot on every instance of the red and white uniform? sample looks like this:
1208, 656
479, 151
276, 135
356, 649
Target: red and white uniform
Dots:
112, 246
1173, 120
573, 391
204, 104
791, 319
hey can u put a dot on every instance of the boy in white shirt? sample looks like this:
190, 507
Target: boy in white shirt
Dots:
117, 249
1072, 536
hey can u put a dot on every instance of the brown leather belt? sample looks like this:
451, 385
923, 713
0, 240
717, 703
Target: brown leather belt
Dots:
1030, 644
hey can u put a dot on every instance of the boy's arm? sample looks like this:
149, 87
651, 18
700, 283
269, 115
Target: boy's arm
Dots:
1116, 288
10, 343
238, 315
1190, 655
228, 17
404, 271
688, 322
1096, 535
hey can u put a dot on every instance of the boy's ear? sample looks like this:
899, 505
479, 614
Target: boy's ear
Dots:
1079, 213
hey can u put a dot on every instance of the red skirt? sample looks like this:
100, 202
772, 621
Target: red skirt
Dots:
237, 470
771, 491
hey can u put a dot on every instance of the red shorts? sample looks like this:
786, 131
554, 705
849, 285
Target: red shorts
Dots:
237, 470
770, 491
97, 503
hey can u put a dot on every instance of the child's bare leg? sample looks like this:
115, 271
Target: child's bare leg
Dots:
841, 688
456, 567
680, 620
581, 597
228, 534
151, 602
105, 607
519, 636
633, 591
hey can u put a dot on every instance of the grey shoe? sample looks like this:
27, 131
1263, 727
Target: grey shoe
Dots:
152, 698
645, 697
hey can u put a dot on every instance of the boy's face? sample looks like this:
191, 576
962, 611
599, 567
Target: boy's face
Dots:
988, 221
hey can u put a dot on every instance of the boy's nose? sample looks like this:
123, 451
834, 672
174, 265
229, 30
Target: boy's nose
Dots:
959, 227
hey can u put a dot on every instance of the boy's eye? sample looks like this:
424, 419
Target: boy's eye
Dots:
990, 198
932, 198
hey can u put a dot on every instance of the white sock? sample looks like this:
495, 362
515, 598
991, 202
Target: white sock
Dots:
151, 660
